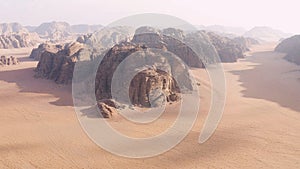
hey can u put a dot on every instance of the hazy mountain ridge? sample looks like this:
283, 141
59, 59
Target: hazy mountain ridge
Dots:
268, 34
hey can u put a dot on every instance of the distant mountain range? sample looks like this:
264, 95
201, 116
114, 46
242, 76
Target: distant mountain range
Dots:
261, 33
13, 34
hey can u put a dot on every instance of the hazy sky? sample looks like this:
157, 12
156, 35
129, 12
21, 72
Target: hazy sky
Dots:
280, 14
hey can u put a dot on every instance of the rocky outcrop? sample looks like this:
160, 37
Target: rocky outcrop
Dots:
142, 84
59, 66
8, 60
290, 46
228, 49
107, 37
152, 80
37, 52
171, 40
21, 40
107, 108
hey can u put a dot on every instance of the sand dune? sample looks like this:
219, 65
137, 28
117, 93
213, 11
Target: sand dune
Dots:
259, 128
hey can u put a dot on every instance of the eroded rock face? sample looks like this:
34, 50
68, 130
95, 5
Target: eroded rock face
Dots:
145, 84
149, 84
229, 50
59, 66
17, 40
290, 46
107, 108
37, 52
170, 40
8, 60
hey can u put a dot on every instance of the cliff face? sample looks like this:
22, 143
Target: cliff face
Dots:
59, 66
290, 46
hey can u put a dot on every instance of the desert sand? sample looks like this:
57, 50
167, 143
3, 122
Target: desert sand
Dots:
259, 129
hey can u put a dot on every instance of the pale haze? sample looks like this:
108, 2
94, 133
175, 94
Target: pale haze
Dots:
277, 14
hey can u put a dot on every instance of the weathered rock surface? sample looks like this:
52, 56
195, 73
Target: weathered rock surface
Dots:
228, 49
149, 81
8, 60
107, 108
290, 46
37, 52
171, 40
20, 40
141, 85
59, 66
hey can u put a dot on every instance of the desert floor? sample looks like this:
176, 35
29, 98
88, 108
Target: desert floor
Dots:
259, 129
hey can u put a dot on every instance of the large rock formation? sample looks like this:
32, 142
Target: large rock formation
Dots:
130, 56
175, 41
142, 83
37, 52
291, 47
59, 66
228, 49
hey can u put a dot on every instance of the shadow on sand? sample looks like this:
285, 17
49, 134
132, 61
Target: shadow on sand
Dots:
24, 79
272, 78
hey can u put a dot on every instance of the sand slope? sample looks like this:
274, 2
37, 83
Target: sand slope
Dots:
259, 129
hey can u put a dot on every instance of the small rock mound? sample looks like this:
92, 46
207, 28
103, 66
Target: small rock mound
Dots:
8, 60
107, 108
37, 52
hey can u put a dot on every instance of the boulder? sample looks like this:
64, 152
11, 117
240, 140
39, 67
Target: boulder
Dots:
107, 108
